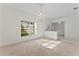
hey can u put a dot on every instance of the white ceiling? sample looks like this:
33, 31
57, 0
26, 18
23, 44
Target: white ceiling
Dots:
51, 10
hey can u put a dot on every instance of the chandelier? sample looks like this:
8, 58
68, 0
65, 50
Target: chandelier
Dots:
41, 15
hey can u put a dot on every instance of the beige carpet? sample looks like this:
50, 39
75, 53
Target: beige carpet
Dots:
41, 47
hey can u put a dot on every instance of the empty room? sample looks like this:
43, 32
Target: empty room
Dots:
39, 29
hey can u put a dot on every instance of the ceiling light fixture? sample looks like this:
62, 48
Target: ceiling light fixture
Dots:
41, 14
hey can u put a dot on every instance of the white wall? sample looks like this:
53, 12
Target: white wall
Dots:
10, 25
0, 23
72, 28
10, 28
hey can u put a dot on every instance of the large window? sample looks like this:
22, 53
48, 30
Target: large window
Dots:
27, 28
